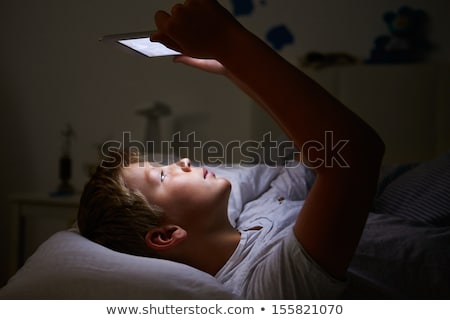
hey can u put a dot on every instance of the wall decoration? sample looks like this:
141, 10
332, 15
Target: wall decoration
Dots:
407, 39
277, 35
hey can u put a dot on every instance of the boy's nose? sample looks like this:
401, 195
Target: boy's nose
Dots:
185, 164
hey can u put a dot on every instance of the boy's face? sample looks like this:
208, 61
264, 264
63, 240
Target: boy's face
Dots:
185, 193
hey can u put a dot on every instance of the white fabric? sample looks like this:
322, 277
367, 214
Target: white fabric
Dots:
248, 183
269, 262
68, 266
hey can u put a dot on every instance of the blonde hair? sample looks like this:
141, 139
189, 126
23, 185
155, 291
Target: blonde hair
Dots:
113, 215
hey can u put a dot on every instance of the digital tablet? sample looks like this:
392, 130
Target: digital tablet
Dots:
140, 42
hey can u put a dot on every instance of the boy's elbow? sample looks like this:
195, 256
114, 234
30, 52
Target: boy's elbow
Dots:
366, 155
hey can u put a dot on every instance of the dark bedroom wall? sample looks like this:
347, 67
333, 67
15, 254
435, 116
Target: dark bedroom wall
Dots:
54, 71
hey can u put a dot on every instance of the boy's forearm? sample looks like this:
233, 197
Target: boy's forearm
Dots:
300, 106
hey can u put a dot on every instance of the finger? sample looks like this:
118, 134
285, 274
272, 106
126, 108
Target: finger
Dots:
156, 36
176, 8
161, 18
202, 64
161, 22
195, 62
183, 59
168, 42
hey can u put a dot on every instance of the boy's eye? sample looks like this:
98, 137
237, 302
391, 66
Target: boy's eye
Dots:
163, 176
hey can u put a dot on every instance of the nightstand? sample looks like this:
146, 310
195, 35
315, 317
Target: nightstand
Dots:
34, 218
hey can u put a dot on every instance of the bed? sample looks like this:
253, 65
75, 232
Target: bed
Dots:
404, 252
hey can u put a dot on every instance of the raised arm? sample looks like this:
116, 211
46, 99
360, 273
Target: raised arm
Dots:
333, 216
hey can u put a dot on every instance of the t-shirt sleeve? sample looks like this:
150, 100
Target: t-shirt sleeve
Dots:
294, 181
288, 272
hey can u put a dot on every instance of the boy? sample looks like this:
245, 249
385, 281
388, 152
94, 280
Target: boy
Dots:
179, 212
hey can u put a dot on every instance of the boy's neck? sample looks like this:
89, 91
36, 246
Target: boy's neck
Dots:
212, 252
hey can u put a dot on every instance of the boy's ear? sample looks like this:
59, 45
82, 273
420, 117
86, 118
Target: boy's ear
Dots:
165, 237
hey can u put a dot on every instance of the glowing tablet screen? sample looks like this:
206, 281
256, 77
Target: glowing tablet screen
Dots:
148, 48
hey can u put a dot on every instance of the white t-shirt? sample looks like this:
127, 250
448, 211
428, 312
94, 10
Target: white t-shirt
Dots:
269, 262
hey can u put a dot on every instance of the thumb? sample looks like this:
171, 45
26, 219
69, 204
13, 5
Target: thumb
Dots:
208, 65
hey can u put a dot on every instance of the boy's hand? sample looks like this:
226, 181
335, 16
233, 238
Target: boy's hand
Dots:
208, 65
197, 28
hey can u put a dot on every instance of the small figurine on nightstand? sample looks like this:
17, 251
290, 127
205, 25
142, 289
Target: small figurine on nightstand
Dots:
65, 164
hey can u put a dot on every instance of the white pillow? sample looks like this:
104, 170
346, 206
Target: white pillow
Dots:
68, 266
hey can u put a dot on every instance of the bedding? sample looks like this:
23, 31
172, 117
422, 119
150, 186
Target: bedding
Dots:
404, 251
399, 255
